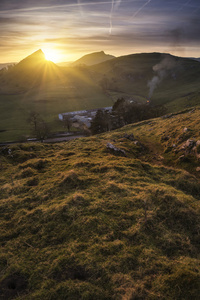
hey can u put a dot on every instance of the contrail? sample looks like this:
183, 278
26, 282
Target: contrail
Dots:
114, 4
80, 6
137, 12
185, 4
111, 13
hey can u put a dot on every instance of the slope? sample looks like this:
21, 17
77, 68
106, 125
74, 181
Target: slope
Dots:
31, 72
158, 76
80, 221
39, 85
36, 84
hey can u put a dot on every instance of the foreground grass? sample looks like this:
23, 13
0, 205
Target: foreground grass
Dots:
81, 222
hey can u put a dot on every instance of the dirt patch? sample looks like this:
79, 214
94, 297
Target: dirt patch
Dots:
12, 286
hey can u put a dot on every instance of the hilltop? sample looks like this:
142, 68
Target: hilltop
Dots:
33, 71
82, 221
93, 59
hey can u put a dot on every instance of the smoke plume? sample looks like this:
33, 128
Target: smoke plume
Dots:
161, 70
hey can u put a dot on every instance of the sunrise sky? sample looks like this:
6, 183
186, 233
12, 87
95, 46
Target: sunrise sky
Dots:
72, 28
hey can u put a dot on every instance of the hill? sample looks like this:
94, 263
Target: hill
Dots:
82, 221
36, 84
195, 58
93, 59
31, 72
159, 77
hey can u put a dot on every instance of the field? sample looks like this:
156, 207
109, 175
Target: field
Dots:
80, 221
48, 101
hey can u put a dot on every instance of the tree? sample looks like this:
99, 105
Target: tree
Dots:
39, 128
119, 110
101, 122
33, 119
42, 130
67, 122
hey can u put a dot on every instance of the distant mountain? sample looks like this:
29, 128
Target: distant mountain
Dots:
6, 65
195, 58
36, 61
93, 58
31, 71
35, 57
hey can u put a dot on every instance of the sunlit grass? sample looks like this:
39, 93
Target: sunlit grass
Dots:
80, 222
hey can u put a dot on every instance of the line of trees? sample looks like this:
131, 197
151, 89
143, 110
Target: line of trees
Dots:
124, 112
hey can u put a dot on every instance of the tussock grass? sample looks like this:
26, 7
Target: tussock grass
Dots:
78, 222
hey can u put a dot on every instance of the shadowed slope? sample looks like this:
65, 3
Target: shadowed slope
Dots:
32, 71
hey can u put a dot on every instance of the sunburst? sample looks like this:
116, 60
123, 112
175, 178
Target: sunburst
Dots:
51, 54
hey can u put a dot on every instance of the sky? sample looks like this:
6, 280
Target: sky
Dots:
72, 28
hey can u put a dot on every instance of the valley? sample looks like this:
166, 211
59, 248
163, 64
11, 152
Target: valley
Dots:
172, 81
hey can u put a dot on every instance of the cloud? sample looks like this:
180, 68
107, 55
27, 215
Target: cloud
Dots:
123, 24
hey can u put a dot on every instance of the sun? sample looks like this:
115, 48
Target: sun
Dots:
51, 54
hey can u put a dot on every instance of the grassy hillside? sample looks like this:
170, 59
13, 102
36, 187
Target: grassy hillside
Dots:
80, 221
36, 84
72, 90
131, 75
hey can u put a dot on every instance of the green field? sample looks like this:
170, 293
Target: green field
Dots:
48, 102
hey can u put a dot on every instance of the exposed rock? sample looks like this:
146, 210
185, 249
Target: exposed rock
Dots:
140, 145
115, 149
198, 143
198, 169
160, 158
167, 116
198, 156
185, 129
193, 110
188, 145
